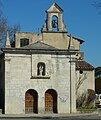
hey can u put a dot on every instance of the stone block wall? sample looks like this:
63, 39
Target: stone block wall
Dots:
21, 75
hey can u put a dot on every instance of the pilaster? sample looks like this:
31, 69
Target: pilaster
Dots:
60, 27
72, 86
49, 22
41, 104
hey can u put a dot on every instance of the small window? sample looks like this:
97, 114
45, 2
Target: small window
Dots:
41, 69
24, 42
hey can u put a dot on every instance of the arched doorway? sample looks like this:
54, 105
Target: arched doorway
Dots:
51, 101
31, 101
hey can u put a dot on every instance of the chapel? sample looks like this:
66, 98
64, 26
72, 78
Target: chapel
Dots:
43, 73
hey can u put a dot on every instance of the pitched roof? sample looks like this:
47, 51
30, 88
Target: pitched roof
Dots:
54, 7
39, 46
83, 65
81, 41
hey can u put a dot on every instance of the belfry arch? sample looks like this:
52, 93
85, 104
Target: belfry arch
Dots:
54, 23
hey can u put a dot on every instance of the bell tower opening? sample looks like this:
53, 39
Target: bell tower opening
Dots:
54, 21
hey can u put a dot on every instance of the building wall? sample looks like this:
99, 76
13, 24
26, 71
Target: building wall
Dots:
60, 40
21, 75
55, 39
98, 85
88, 80
20, 70
33, 37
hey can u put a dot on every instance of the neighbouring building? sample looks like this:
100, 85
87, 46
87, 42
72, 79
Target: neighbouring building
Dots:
44, 72
98, 80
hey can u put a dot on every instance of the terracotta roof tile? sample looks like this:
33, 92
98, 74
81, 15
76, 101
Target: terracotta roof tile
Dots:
83, 65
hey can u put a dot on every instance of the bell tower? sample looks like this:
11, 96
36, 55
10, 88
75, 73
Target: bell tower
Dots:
54, 22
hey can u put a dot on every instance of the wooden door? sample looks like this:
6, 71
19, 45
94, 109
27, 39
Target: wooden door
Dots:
31, 102
50, 101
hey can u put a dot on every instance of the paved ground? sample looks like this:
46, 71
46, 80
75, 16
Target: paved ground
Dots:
49, 117
65, 118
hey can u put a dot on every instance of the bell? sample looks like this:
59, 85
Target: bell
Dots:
54, 24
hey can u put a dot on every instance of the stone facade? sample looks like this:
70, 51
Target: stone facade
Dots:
22, 76
40, 73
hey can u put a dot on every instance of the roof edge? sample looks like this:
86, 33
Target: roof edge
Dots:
81, 41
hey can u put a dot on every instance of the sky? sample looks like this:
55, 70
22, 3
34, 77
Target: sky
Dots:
81, 17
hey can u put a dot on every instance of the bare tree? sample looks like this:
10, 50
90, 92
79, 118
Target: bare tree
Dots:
90, 97
80, 80
97, 4
4, 27
86, 99
12, 30
80, 101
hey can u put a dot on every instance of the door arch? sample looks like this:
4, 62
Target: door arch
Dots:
51, 101
31, 101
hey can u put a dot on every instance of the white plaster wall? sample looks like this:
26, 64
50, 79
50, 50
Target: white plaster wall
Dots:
88, 83
20, 68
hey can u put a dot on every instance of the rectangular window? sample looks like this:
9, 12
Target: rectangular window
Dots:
24, 42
